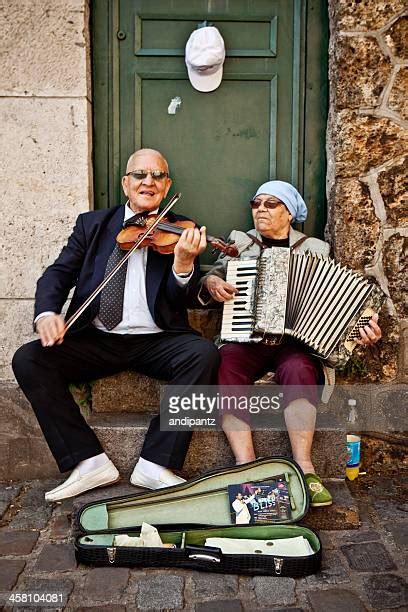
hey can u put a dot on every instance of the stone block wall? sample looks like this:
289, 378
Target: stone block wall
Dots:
367, 163
45, 114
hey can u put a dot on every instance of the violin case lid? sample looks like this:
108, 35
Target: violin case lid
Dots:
200, 501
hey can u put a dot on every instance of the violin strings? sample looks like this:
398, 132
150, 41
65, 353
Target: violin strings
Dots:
179, 230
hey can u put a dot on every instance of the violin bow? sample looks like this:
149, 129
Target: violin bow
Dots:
112, 273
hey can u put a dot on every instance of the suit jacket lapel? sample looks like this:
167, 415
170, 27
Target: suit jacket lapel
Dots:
155, 270
106, 245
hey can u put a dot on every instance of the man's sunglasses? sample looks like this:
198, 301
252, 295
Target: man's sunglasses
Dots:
254, 204
139, 175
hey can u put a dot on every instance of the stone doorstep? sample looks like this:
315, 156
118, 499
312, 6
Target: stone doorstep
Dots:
26, 455
342, 514
122, 437
126, 392
138, 392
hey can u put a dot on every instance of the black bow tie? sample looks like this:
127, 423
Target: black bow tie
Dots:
138, 219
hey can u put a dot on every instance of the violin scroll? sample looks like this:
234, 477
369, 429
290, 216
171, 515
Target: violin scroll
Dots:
226, 247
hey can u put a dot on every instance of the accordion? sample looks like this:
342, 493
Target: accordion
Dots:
308, 297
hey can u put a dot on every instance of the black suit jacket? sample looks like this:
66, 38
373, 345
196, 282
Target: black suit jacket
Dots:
82, 262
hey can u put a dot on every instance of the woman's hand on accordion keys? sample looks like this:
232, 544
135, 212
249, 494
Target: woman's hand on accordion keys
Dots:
219, 289
371, 333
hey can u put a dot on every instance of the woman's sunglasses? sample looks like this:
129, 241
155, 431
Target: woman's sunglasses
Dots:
254, 204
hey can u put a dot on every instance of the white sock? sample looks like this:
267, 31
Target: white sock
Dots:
148, 468
93, 463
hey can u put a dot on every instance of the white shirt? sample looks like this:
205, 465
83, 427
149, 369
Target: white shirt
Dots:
136, 314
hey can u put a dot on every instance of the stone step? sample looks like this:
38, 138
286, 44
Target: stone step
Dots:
122, 437
25, 454
126, 392
342, 514
130, 391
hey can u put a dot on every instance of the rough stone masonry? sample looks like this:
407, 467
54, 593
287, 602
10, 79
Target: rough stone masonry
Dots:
367, 162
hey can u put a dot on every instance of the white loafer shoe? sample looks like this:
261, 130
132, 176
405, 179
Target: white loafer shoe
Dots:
167, 479
76, 483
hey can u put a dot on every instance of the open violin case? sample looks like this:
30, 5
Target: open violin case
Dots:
186, 515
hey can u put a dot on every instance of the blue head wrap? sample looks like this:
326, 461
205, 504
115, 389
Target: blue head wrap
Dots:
288, 195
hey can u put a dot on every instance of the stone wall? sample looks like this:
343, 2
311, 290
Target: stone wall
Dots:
367, 162
45, 113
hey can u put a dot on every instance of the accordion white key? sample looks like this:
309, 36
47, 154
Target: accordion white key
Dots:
308, 297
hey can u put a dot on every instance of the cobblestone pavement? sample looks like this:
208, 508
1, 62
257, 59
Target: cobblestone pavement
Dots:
363, 569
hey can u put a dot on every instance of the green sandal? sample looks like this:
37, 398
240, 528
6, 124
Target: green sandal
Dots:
319, 495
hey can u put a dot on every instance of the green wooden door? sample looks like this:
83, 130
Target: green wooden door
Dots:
266, 120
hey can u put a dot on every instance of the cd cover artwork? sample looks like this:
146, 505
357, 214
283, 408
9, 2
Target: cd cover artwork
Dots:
260, 502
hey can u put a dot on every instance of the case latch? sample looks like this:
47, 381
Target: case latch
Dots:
278, 565
111, 554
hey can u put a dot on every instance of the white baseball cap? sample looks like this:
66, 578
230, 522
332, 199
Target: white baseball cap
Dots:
205, 55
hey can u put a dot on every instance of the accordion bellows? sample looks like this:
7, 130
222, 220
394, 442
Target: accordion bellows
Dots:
308, 297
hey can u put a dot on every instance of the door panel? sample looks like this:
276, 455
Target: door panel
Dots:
213, 144
220, 145
255, 35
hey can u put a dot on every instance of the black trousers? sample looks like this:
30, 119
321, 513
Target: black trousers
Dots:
45, 373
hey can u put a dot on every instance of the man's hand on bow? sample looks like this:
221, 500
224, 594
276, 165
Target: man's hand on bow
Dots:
219, 289
51, 329
371, 333
192, 242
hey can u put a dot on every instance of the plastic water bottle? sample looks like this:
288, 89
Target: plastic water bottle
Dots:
353, 444
353, 456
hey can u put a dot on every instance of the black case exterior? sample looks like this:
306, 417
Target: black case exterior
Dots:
202, 558
196, 558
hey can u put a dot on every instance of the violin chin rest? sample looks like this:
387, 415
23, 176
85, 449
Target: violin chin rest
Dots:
125, 246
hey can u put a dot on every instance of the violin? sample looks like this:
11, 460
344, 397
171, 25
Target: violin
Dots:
164, 237
146, 230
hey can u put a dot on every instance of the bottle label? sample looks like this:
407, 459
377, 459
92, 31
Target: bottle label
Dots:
353, 451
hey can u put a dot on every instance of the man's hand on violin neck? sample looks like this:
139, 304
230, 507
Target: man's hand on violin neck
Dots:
219, 289
192, 242
51, 329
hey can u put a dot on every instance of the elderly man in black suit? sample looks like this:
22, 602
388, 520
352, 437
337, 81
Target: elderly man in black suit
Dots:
138, 323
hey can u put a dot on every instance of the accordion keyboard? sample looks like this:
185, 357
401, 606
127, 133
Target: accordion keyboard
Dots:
238, 314
311, 298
